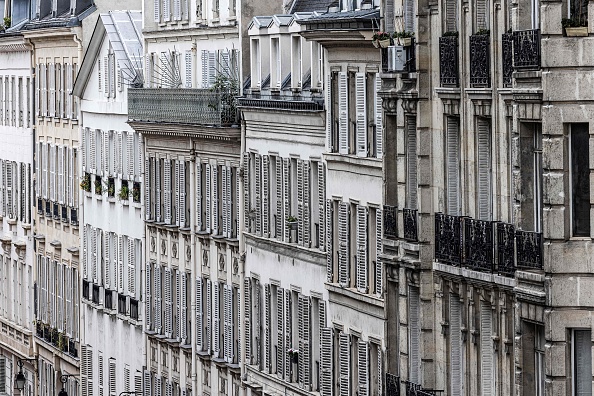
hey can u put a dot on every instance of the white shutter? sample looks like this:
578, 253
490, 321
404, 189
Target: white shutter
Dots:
158, 305
321, 206
306, 213
411, 162
362, 262
176, 185
130, 156
451, 15
156, 8
204, 61
52, 173
216, 319
344, 362
484, 169
246, 191
149, 181
147, 389
209, 315
168, 303
182, 317
94, 234
224, 178
229, 198
379, 117
199, 209
327, 362
267, 330
199, 314
182, 193
61, 174
107, 241
343, 240
280, 348
487, 366
212, 67
453, 166
456, 372
208, 193
288, 334
177, 10
329, 115
361, 113
258, 190
120, 264
38, 160
482, 14
175, 312
409, 15
280, 220
286, 196
52, 90
363, 366
167, 190
329, 241
131, 268
159, 187
166, 10
46, 165
71, 180
266, 196
118, 154
300, 194
148, 307
215, 200
379, 267
105, 154
247, 300
189, 68
106, 75
343, 113
414, 334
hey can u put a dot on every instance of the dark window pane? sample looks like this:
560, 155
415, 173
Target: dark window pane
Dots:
580, 179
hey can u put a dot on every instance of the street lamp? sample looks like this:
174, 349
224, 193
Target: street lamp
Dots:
20, 380
63, 380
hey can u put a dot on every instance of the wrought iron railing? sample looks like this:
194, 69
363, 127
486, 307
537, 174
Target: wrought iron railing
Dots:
122, 304
95, 294
282, 102
74, 216
134, 309
181, 106
527, 49
64, 211
108, 299
411, 227
448, 239
480, 60
72, 351
448, 61
478, 244
413, 389
390, 222
529, 249
48, 209
505, 249
85, 289
507, 61
56, 211
392, 385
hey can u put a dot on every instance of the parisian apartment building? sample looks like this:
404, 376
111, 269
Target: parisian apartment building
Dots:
296, 197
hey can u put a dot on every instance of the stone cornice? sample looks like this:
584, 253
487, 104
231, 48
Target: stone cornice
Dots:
222, 134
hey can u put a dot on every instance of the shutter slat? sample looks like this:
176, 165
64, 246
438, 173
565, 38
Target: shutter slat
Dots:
484, 169
361, 114
362, 264
411, 162
343, 116
453, 166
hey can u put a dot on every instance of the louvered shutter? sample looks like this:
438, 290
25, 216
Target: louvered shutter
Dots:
321, 206
379, 267
189, 59
106, 260
409, 15
451, 15
83, 371
148, 306
212, 67
414, 336
69, 98
229, 198
237, 201
225, 175
209, 315
456, 346
166, 10
343, 241
486, 340
204, 61
215, 200
177, 10
61, 174
306, 343
247, 309
158, 386
411, 162
118, 153
52, 90
52, 176
182, 193
321, 316
94, 234
288, 334
343, 114
208, 193
329, 115
280, 347
363, 366
482, 14
156, 9
246, 191
158, 304
120, 264
344, 362
199, 209
389, 16
106, 76
147, 384
300, 325
183, 316
199, 315
484, 169
175, 312
71, 180
300, 194
362, 262
453, 166
379, 118
38, 160
266, 196
131, 267
168, 304
2, 187
327, 362
280, 219
329, 241
46, 161
267, 324
216, 319
306, 213
258, 190
286, 196
167, 190
131, 155
148, 185
177, 164
90, 370
582, 350
361, 113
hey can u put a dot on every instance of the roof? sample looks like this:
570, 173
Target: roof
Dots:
64, 20
123, 31
310, 5
343, 16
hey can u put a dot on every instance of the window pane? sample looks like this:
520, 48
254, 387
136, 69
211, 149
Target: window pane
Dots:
580, 179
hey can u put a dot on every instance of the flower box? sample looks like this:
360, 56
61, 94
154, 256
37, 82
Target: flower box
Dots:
581, 31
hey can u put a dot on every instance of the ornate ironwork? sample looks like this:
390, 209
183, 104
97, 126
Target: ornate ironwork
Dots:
507, 61
529, 249
72, 351
180, 106
448, 239
413, 389
392, 385
281, 102
478, 244
448, 61
480, 60
410, 217
390, 222
527, 49
505, 249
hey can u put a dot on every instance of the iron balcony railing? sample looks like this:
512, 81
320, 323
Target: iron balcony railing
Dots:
182, 106
390, 222
480, 61
122, 304
134, 309
507, 61
448, 239
399, 58
478, 244
72, 351
411, 227
526, 49
448, 61
413, 389
528, 249
96, 294
506, 235
282, 102
392, 385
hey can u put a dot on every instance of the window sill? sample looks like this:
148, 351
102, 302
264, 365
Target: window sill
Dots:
355, 296
311, 255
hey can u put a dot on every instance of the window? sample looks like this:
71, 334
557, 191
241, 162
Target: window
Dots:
456, 353
296, 62
580, 179
452, 151
486, 347
414, 334
533, 373
411, 161
275, 64
581, 352
481, 15
256, 64
530, 158
484, 193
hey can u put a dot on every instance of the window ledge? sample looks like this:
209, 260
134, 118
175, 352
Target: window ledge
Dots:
311, 255
350, 297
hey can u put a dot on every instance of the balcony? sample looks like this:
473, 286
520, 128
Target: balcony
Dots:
448, 239
134, 309
85, 289
528, 249
507, 62
506, 235
399, 58
478, 246
108, 299
390, 222
392, 385
448, 61
122, 304
95, 294
480, 58
182, 106
413, 389
526, 49
411, 227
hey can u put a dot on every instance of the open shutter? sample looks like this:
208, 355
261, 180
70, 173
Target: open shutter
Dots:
166, 10
199, 209
451, 15
208, 192
175, 312
484, 169
327, 362
246, 191
120, 264
258, 190
183, 317
266, 195
379, 268
300, 194
362, 266
177, 195
306, 340
389, 16
156, 9
267, 325
411, 162
329, 241
168, 304
414, 328
363, 366
329, 115
453, 165
487, 367
280, 348
148, 306
301, 346
306, 213
177, 10
212, 67
149, 181
286, 196
343, 240
216, 334
321, 206
158, 305
167, 190
61, 174
229, 198
107, 282
379, 117
131, 270
582, 350
280, 219
147, 384
344, 361
343, 113
224, 185
409, 15
182, 193
361, 114
288, 334
209, 315
189, 60
482, 14
247, 311
215, 200
199, 314
456, 345
130, 147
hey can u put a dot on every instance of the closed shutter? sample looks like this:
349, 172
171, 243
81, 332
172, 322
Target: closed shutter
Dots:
46, 165
361, 114
183, 310
3, 187
71, 180
95, 235
247, 309
409, 15
60, 174
216, 334
189, 58
199, 314
306, 213
484, 169
199, 209
106, 260
130, 147
120, 264
148, 305
451, 15
321, 206
229, 198
156, 9
167, 190
166, 11
52, 90
112, 377
90, 368
453, 166
379, 267
389, 16
177, 192
306, 342
456, 372
582, 350
329, 241
237, 201
266, 196
149, 181
300, 194
177, 10
212, 67
224, 213
487, 366
343, 113
175, 312
37, 173
52, 177
286, 196
131, 268
327, 362
208, 193
246, 191
300, 329
258, 191
329, 115
168, 303
343, 240
362, 264
482, 14
83, 371
209, 315
344, 362
69, 98
414, 334
379, 117
100, 372
204, 62
288, 334
215, 200
411, 162
280, 347
363, 366
147, 388
267, 325
158, 304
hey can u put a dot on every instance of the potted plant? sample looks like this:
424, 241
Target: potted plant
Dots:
403, 38
293, 354
136, 192
575, 27
85, 184
483, 32
124, 193
451, 34
381, 40
292, 222
98, 186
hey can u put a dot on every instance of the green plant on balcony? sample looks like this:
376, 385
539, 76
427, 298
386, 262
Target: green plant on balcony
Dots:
226, 85
124, 193
483, 32
381, 39
451, 34
577, 23
7, 22
98, 186
403, 38
85, 183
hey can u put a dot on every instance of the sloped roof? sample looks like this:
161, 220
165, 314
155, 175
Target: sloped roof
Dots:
310, 5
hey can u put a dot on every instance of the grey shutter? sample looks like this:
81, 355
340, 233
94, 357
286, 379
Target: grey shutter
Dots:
329, 241
379, 267
182, 193
414, 336
451, 15
189, 68
168, 304
343, 114
409, 15
209, 321
215, 200
583, 362
265, 196
329, 115
157, 291
482, 14
267, 325
286, 195
246, 191
182, 316
288, 334
363, 366
148, 307
300, 326
326, 362
321, 206
147, 389
199, 209
167, 189
379, 117
216, 319
344, 362
208, 194
280, 349
258, 190
300, 189
411, 162
166, 10
306, 213
484, 169
361, 113
456, 346
362, 262
280, 220
487, 367
148, 185
199, 314
159, 188
247, 300
343, 241
389, 16
453, 166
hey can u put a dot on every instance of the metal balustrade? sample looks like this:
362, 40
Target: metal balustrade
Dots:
390, 222
449, 70
411, 227
392, 385
480, 61
478, 244
448, 239
528, 249
526, 49
507, 61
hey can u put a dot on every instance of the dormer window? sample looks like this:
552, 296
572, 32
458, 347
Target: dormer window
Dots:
256, 64
296, 63
275, 64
